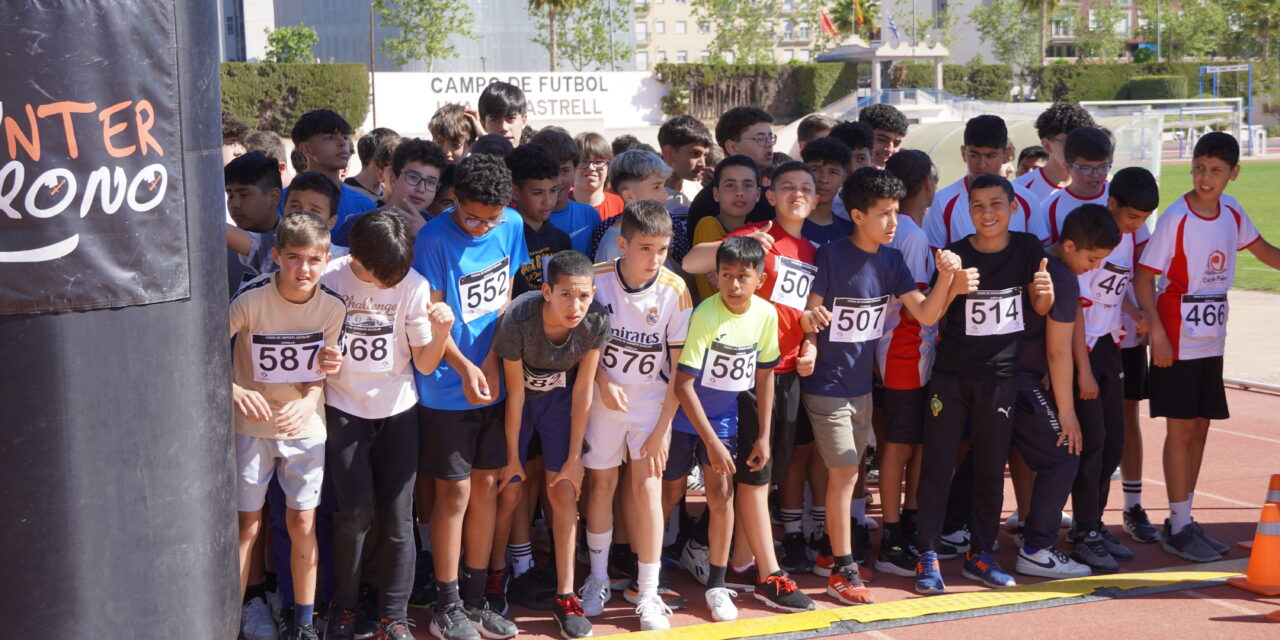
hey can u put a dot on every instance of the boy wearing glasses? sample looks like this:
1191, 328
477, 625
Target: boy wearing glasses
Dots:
470, 256
1053, 126
1088, 157
744, 131
416, 167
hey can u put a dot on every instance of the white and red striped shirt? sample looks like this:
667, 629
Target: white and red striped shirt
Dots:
905, 351
1196, 260
1103, 290
1037, 183
1053, 210
948, 217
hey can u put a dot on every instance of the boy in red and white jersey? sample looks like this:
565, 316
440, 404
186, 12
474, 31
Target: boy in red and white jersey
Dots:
1193, 250
1088, 152
1053, 126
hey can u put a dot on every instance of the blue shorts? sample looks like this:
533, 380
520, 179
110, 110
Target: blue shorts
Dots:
549, 416
687, 447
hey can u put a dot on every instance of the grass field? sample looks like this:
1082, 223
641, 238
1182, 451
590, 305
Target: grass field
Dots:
1258, 190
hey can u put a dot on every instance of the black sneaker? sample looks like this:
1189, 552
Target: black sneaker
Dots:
305, 632
622, 569
779, 591
495, 589
741, 580
1089, 549
793, 558
1138, 525
572, 620
341, 624
896, 558
285, 625
1216, 544
1187, 544
488, 622
862, 543
450, 622
367, 622
534, 589
1114, 547
423, 594
396, 630
953, 544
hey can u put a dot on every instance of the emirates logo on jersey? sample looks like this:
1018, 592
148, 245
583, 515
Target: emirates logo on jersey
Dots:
1217, 262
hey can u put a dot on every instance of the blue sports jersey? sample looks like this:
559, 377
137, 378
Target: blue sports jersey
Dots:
820, 234
475, 275
352, 202
579, 221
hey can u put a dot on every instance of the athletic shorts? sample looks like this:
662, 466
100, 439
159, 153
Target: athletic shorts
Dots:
1134, 362
613, 437
297, 462
1188, 389
453, 442
904, 415
688, 448
840, 427
788, 413
546, 420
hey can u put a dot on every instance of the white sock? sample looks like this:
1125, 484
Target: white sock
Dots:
858, 509
819, 517
598, 550
1191, 498
521, 558
673, 527
1180, 515
424, 531
647, 579
1132, 493
743, 568
791, 520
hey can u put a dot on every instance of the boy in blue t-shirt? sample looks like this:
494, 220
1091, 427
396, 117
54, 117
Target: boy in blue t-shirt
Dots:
574, 218
469, 256
323, 138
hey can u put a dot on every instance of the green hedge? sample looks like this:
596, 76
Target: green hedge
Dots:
1073, 82
982, 81
271, 95
705, 90
822, 83
1155, 88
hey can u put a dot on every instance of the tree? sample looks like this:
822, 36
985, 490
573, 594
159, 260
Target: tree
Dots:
425, 27
1099, 32
553, 9
744, 29
935, 29
1260, 20
1044, 8
585, 36
1012, 39
291, 44
845, 14
1197, 29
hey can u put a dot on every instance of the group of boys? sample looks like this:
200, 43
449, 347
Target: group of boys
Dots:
502, 323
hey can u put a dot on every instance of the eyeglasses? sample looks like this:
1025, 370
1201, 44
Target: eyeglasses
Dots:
764, 139
597, 164
1086, 170
472, 221
413, 179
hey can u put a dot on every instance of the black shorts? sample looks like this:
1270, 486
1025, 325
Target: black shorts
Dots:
1188, 390
452, 443
788, 415
1134, 361
904, 415
686, 448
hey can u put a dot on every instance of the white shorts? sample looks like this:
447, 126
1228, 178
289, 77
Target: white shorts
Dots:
299, 464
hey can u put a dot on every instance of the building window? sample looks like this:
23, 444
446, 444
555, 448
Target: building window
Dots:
642, 30
682, 56
704, 55
804, 55
662, 56
659, 27
681, 26
1062, 29
788, 55
788, 5
642, 60
704, 27
231, 25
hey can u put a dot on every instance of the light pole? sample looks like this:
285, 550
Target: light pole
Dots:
1158, 31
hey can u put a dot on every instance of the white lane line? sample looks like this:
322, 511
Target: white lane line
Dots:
1215, 496
880, 635
1226, 604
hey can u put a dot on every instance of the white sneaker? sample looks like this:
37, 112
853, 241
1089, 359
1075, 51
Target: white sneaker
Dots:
1050, 563
694, 482
256, 622
696, 559
654, 614
720, 602
594, 594
1012, 522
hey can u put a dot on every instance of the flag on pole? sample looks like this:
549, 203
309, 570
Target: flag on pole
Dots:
857, 10
893, 29
826, 25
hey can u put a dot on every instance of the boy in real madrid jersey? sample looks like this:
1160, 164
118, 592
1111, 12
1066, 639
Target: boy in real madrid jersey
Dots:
282, 324
649, 308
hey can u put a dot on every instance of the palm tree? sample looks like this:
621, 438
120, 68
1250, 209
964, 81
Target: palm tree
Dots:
1045, 7
844, 17
552, 7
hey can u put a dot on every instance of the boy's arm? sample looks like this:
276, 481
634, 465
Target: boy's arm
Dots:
701, 258
1080, 354
1266, 252
1042, 289
1058, 339
475, 384
655, 447
721, 461
583, 390
928, 309
427, 356
761, 452
238, 240
1144, 289
514, 371
293, 415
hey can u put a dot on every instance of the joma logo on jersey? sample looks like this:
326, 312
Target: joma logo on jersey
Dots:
652, 317
1217, 262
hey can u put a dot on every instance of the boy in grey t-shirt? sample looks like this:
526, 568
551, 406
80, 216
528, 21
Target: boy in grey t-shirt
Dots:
549, 342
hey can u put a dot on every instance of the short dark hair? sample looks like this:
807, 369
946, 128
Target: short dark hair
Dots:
501, 99
986, 131
868, 185
624, 143
448, 176
1087, 143
1091, 226
233, 128
988, 180
791, 167
855, 135
738, 160
451, 124
1136, 188
1062, 118
532, 162
301, 229
737, 120
297, 161
380, 241
483, 178
492, 144
254, 169
268, 144
386, 153
1034, 151
884, 117
369, 142
812, 125
645, 218
317, 182
559, 143
828, 150
417, 150
1220, 145
682, 130
567, 263
912, 167
318, 122
741, 250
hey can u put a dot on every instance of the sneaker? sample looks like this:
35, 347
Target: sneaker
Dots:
341, 624
654, 614
742, 580
423, 594
367, 619
450, 622
696, 559
1091, 550
845, 585
953, 544
983, 568
779, 591
305, 632
534, 589
495, 589
1115, 547
669, 596
1019, 538
488, 622
720, 602
861, 542
1050, 563
256, 622
1217, 545
896, 558
593, 595
396, 630
1138, 525
284, 626
1012, 523
571, 618
873, 476
693, 482
622, 569
793, 558
928, 577
823, 560
671, 554
1187, 544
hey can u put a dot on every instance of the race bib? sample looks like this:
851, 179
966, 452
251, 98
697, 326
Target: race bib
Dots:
993, 313
1109, 285
795, 278
485, 291
858, 319
1204, 316
291, 357
632, 362
370, 345
544, 381
730, 368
